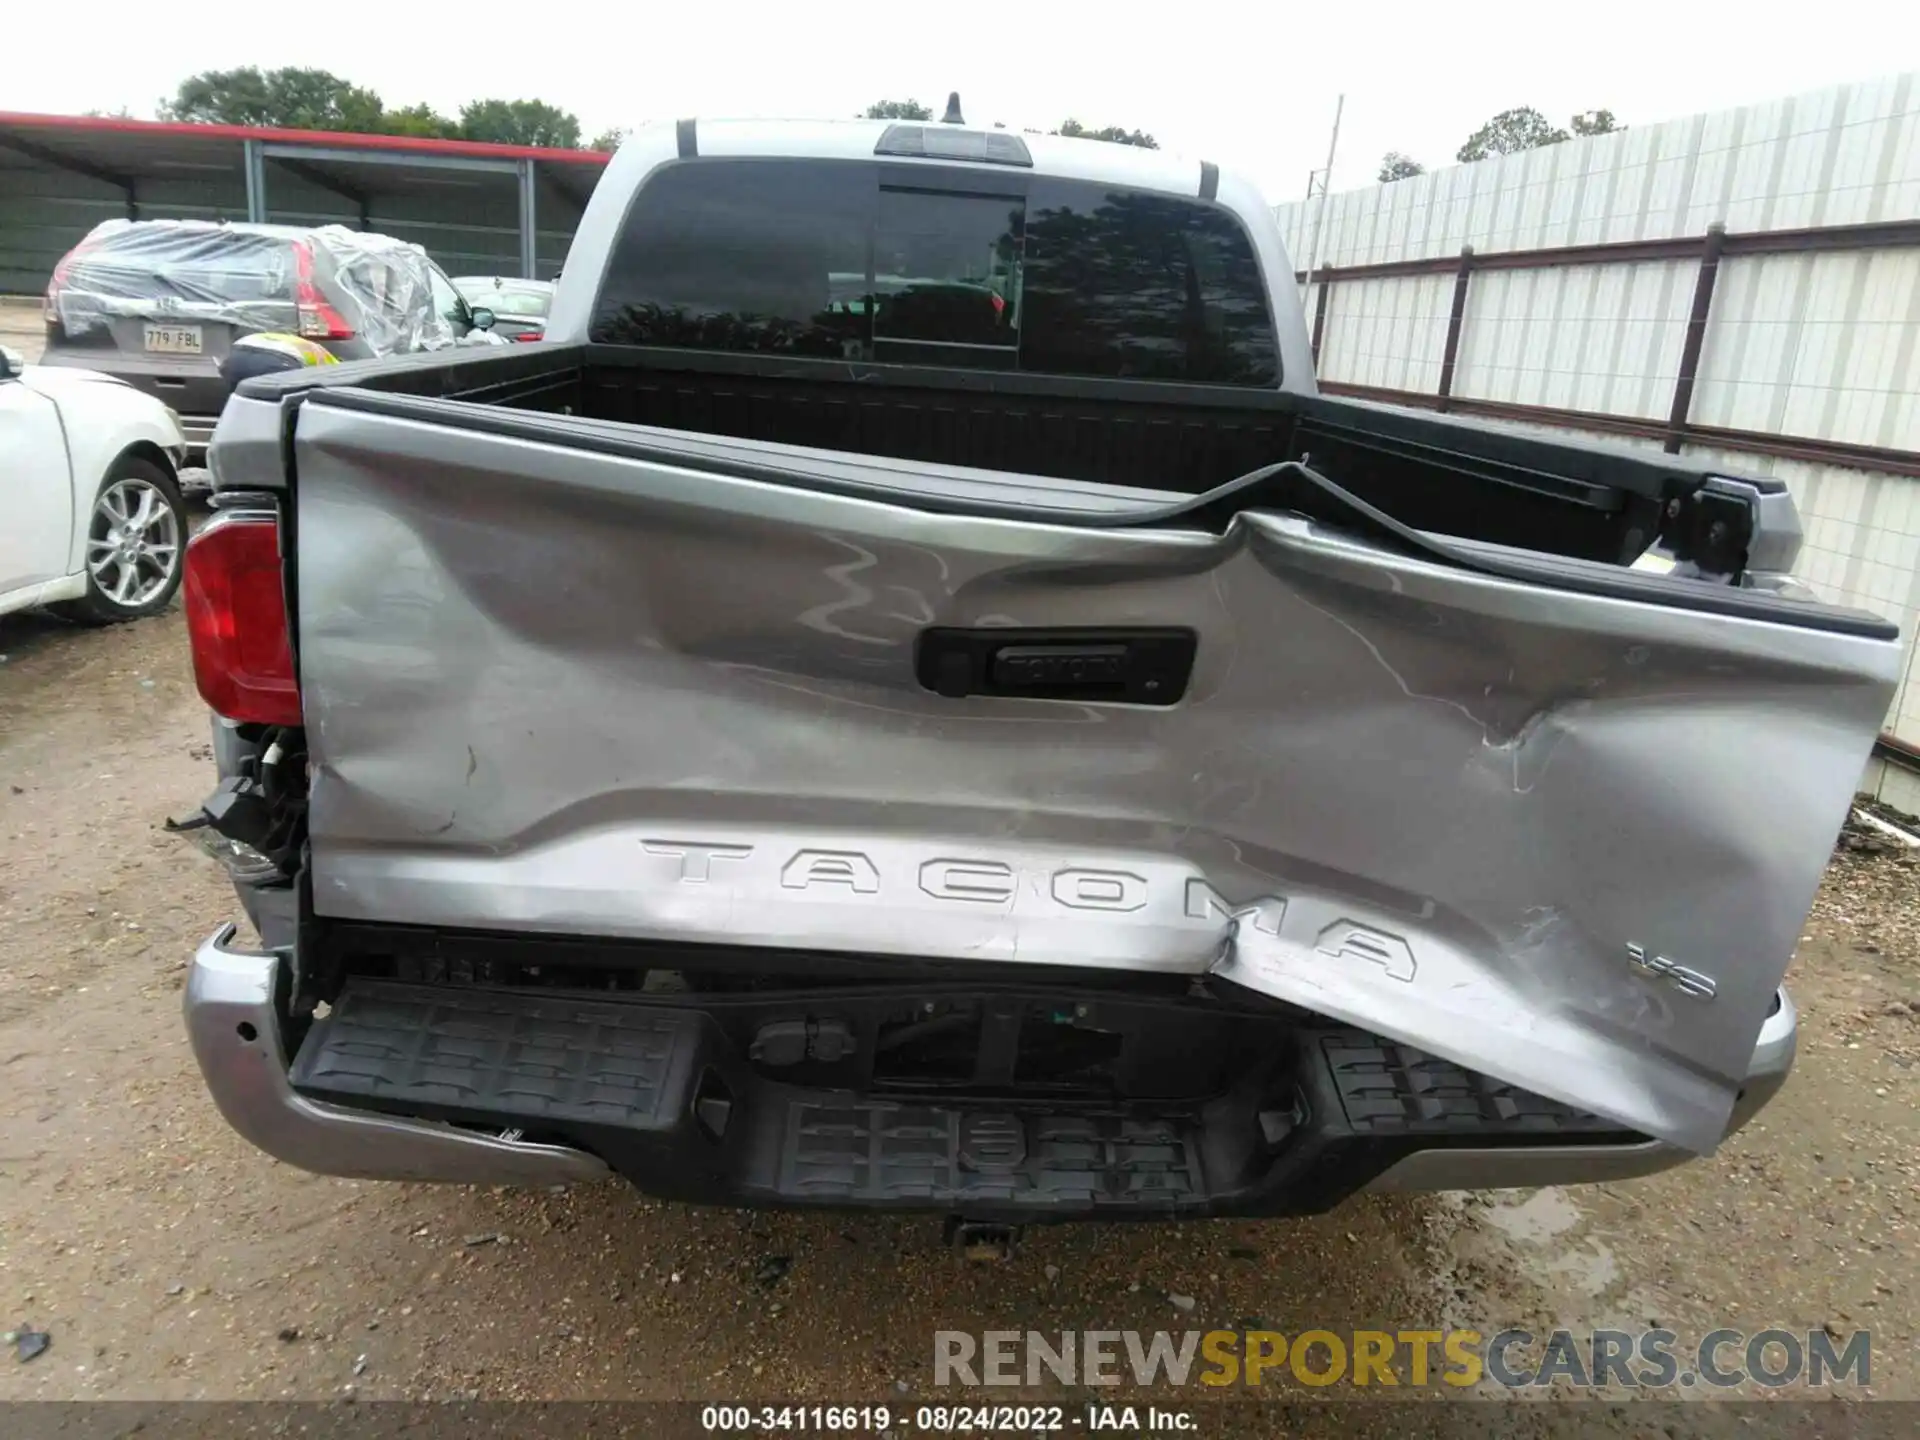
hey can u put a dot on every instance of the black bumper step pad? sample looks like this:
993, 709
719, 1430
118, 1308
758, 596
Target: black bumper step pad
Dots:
666, 1098
1391, 1089
525, 1059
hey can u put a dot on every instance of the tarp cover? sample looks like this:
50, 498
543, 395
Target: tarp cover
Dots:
249, 277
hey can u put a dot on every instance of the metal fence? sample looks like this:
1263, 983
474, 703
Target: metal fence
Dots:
1701, 259
1742, 288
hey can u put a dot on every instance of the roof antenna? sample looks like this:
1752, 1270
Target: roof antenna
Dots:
952, 117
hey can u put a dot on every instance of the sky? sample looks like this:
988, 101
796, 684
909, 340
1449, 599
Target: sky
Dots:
1249, 86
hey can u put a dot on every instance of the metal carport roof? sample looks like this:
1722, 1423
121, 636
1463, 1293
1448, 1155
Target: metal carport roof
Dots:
473, 206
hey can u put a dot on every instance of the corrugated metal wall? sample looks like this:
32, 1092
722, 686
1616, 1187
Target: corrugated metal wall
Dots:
1843, 156
1822, 345
473, 227
1605, 338
1817, 345
469, 224
46, 211
1388, 331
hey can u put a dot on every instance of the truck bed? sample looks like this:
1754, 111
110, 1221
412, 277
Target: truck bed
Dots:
1518, 505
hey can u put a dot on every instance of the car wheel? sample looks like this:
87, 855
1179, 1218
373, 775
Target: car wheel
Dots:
136, 545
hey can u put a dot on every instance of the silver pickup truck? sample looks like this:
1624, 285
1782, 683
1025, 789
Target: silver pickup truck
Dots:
908, 697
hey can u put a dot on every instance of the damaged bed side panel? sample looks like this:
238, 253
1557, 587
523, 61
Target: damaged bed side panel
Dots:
1562, 839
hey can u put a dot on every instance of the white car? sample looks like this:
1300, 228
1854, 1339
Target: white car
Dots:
91, 520
519, 307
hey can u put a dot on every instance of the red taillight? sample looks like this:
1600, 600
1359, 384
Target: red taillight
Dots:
318, 319
237, 621
526, 337
48, 312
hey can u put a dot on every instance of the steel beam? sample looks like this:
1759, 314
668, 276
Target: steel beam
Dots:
1456, 321
529, 235
1877, 235
342, 156
1786, 447
1871, 235
1319, 316
256, 181
1696, 337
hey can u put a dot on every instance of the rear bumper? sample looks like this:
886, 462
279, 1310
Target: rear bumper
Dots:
1512, 1168
653, 1119
233, 1023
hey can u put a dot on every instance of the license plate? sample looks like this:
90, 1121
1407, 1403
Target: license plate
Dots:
174, 339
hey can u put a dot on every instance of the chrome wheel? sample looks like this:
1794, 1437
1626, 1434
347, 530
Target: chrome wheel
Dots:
133, 542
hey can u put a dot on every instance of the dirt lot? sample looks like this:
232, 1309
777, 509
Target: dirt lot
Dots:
21, 327
168, 1259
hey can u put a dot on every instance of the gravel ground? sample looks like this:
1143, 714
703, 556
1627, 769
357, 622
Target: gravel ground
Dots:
168, 1259
21, 327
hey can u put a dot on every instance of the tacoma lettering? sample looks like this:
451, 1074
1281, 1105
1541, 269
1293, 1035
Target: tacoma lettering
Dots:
696, 859
1099, 890
981, 881
1206, 903
971, 881
831, 867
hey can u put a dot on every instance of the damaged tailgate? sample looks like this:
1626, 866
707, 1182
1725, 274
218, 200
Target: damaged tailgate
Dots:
1554, 821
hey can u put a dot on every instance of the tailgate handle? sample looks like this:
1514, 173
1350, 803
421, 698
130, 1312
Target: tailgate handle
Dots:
1120, 666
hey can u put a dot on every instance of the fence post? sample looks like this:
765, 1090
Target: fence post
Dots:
1458, 316
1319, 315
1710, 247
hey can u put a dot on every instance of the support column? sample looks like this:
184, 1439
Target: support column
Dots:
529, 250
1456, 318
1319, 314
256, 182
1710, 247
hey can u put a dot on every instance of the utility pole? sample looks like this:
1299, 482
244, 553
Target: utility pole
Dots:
1326, 186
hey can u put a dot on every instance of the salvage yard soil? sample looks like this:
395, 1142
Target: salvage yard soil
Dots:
167, 1259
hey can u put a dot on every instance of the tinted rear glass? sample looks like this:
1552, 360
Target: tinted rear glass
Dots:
850, 260
945, 273
1130, 284
743, 255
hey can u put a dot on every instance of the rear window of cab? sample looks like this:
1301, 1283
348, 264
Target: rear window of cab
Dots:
857, 260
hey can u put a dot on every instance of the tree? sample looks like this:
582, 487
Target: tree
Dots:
1525, 129
609, 139
420, 120
1114, 133
898, 110
520, 122
123, 113
1395, 166
293, 98
1509, 132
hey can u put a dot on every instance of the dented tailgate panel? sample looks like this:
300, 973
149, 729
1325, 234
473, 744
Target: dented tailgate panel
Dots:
1565, 840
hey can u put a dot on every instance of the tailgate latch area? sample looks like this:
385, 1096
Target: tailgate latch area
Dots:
1124, 666
254, 822
1730, 531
